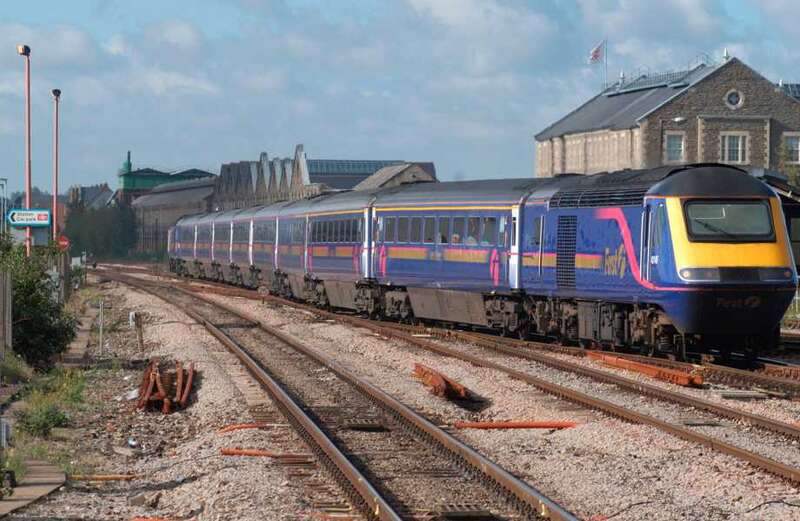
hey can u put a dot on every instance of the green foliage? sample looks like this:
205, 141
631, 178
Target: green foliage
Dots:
14, 369
42, 328
49, 400
40, 420
106, 233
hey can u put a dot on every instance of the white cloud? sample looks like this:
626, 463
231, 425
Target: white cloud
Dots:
59, 45
178, 34
160, 82
489, 34
116, 46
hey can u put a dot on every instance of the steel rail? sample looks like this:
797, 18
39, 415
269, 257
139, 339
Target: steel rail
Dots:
376, 504
768, 464
390, 330
527, 498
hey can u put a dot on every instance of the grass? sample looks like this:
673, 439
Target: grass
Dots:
49, 403
14, 369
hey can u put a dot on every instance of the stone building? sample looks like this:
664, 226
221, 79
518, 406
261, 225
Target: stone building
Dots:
247, 183
724, 112
159, 209
243, 184
91, 197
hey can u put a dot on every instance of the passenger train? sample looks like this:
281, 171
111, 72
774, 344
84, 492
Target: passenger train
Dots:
669, 260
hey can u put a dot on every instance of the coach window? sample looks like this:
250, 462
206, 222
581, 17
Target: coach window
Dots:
429, 234
416, 229
458, 230
359, 235
402, 229
347, 237
489, 235
444, 230
473, 231
389, 224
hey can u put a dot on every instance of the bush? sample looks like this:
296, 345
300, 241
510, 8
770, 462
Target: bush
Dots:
49, 400
40, 419
42, 328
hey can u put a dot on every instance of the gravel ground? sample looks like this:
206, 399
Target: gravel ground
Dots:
600, 469
185, 476
787, 411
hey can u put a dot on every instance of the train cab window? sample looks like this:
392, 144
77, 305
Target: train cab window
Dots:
402, 229
389, 229
458, 230
489, 233
429, 234
444, 230
473, 231
416, 229
729, 221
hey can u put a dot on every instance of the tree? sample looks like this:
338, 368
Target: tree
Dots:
105, 232
41, 327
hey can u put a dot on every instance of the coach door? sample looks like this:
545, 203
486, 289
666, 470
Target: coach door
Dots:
367, 245
513, 258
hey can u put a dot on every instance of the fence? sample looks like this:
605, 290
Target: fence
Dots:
5, 314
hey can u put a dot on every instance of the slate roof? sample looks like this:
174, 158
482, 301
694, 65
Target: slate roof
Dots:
343, 174
622, 106
177, 193
386, 173
144, 172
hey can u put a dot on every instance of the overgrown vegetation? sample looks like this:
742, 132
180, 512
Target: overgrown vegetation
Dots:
41, 326
106, 233
49, 402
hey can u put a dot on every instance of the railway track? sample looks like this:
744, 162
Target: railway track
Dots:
533, 351
391, 462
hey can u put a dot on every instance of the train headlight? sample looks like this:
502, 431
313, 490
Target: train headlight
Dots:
700, 274
775, 274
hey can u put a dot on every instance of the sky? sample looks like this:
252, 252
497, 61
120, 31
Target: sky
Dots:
463, 83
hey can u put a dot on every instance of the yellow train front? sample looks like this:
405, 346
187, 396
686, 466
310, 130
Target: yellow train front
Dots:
732, 252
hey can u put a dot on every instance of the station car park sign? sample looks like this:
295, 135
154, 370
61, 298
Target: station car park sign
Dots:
34, 217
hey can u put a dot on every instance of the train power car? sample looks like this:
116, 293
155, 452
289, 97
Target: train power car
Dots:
670, 260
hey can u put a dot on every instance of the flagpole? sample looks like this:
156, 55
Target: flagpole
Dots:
605, 63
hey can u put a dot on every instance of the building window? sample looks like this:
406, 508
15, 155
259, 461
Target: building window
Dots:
734, 148
734, 99
675, 147
791, 142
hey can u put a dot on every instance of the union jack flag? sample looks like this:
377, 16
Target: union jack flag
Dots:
596, 54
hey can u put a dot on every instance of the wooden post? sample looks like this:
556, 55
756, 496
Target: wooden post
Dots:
138, 321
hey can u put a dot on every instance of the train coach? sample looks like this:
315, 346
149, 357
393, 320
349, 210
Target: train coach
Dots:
669, 260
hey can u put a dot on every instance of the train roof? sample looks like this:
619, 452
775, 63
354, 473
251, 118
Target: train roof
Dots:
270, 210
335, 202
706, 180
487, 191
